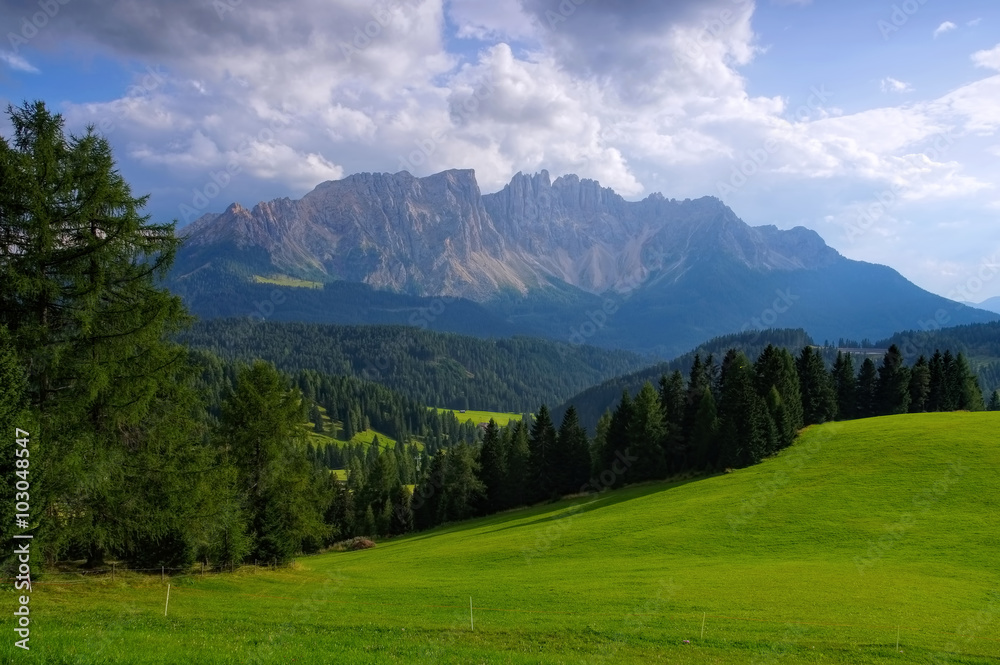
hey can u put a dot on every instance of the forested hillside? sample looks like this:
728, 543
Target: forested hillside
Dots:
595, 400
979, 342
435, 369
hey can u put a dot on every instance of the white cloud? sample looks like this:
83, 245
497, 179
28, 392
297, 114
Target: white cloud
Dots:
989, 59
18, 63
974, 22
890, 84
947, 26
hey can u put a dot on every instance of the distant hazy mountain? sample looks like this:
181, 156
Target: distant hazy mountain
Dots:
991, 304
567, 259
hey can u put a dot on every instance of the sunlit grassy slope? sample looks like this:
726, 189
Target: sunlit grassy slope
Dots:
477, 417
859, 533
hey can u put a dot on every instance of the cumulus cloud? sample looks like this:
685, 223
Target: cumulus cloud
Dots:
989, 59
947, 26
890, 84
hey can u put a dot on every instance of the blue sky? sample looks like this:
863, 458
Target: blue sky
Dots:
874, 123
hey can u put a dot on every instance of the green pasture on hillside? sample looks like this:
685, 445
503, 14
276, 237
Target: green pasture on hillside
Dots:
861, 534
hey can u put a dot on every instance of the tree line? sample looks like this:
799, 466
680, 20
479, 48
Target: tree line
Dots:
723, 415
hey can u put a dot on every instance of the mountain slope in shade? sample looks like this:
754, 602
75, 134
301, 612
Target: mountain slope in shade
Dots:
990, 304
566, 259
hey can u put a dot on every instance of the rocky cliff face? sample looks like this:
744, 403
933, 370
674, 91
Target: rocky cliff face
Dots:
440, 236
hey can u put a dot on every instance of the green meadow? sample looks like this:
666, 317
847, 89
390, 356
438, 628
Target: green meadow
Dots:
861, 536
285, 280
502, 419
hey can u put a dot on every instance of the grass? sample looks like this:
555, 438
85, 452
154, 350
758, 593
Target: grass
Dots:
285, 280
818, 555
477, 417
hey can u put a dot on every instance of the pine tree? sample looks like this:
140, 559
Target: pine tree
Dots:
672, 403
705, 435
744, 424
575, 453
819, 404
261, 437
493, 462
969, 396
462, 491
599, 443
845, 386
619, 437
775, 369
920, 385
936, 384
647, 432
518, 466
893, 386
867, 385
543, 475
995, 401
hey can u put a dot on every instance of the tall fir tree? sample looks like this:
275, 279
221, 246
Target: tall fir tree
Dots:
518, 466
920, 385
647, 433
543, 471
845, 385
705, 435
575, 457
493, 464
867, 405
775, 369
745, 428
672, 402
819, 404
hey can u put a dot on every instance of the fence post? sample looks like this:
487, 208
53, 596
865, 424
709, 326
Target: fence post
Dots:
161, 573
112, 572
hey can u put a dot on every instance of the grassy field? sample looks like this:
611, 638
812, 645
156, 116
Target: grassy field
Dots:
484, 416
285, 280
861, 534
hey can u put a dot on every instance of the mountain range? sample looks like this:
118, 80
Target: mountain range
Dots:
566, 259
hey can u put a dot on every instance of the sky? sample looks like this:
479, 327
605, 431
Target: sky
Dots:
874, 123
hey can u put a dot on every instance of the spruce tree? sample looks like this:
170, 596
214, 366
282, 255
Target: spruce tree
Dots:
745, 427
936, 383
262, 437
920, 385
672, 402
619, 437
572, 441
845, 386
647, 432
819, 404
893, 385
995, 401
705, 435
775, 370
493, 462
518, 466
867, 390
543, 474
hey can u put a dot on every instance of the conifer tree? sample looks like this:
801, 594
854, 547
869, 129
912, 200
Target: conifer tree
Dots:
920, 384
775, 369
744, 424
543, 480
80, 267
995, 401
705, 435
893, 386
867, 385
819, 404
647, 432
518, 466
845, 386
575, 458
493, 463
